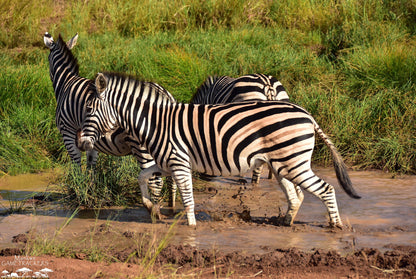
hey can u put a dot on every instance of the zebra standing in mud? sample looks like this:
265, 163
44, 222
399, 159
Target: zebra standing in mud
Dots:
71, 91
222, 140
253, 87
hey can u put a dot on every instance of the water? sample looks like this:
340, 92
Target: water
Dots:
386, 214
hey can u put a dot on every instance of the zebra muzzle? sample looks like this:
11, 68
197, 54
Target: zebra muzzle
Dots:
84, 143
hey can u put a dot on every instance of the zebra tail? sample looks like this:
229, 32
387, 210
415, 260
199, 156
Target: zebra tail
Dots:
339, 165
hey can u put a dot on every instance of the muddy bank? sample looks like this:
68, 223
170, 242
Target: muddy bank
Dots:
400, 262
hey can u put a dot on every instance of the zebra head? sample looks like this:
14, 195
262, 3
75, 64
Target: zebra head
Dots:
100, 119
50, 43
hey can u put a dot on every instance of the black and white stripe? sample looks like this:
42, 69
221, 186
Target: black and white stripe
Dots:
223, 140
225, 89
253, 87
71, 92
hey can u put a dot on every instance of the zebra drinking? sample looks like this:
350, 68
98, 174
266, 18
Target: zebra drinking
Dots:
222, 140
71, 91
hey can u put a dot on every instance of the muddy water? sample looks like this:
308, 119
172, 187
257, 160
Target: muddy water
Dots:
385, 216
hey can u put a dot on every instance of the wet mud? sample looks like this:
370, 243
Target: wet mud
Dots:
239, 232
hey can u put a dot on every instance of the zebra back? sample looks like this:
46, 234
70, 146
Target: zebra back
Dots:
254, 87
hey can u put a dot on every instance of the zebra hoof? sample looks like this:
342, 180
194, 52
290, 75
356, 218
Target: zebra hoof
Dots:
255, 181
288, 221
155, 213
336, 226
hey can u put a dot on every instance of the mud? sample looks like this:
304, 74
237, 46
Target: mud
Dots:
238, 234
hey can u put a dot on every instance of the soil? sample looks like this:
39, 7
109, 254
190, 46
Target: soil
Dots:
131, 246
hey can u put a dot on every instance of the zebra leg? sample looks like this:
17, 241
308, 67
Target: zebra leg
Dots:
270, 176
324, 191
155, 184
293, 200
172, 187
92, 157
184, 181
145, 175
71, 147
255, 179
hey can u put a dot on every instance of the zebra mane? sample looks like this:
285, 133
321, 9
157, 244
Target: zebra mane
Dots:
138, 80
67, 52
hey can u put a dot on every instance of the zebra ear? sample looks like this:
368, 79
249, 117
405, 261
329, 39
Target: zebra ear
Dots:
71, 43
101, 85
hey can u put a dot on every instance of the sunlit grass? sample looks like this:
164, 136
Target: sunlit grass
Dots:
112, 182
350, 63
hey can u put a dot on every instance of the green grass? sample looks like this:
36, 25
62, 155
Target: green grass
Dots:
112, 183
350, 63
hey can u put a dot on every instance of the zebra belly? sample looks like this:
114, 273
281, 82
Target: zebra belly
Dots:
244, 168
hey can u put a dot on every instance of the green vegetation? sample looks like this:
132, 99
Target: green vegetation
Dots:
351, 63
112, 183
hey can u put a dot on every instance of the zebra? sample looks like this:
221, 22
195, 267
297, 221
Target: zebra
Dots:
225, 89
222, 140
71, 91
252, 87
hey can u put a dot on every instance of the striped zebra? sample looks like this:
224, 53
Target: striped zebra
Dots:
254, 87
71, 91
221, 140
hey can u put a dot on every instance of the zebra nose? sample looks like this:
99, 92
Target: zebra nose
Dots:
84, 143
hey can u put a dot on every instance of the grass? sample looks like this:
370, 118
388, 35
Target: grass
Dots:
112, 183
350, 63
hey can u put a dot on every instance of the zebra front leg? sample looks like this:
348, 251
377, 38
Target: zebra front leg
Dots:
143, 179
255, 179
172, 187
155, 184
184, 181
92, 156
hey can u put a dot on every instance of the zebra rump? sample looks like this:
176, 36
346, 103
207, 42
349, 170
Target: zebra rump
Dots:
253, 87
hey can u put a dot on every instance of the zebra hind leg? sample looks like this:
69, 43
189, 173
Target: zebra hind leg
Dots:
324, 191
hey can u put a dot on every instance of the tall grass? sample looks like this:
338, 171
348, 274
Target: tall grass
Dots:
350, 63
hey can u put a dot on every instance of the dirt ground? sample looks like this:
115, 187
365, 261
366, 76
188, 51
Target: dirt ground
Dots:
140, 249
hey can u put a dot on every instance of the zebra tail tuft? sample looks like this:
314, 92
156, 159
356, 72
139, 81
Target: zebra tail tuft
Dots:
339, 165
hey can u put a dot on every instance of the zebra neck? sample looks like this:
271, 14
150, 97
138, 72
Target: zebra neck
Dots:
67, 85
146, 120
63, 68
